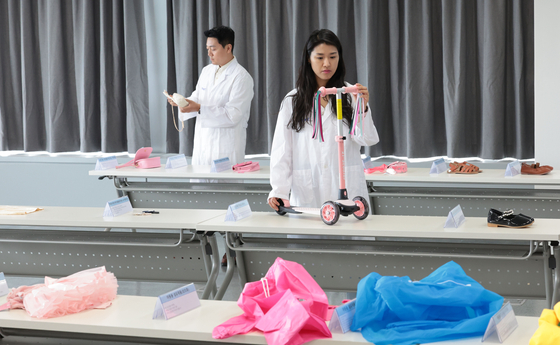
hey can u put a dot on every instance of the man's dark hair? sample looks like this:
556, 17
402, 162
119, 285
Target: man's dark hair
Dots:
223, 34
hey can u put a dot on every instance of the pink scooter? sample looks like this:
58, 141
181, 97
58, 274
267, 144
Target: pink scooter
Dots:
332, 210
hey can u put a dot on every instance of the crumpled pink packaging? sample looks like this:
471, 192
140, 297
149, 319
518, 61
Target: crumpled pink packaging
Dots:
288, 306
93, 288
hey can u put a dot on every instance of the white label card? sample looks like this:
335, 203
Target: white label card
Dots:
176, 302
513, 168
175, 162
106, 163
438, 166
342, 317
4, 290
220, 165
368, 163
455, 218
238, 211
503, 323
117, 207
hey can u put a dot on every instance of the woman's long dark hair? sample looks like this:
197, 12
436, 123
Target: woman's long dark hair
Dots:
306, 85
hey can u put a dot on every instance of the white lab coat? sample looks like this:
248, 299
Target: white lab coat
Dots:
308, 167
221, 126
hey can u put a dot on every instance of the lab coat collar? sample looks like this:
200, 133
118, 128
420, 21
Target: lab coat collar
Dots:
327, 113
228, 69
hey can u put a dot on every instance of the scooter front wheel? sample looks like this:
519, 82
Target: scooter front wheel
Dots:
362, 203
330, 213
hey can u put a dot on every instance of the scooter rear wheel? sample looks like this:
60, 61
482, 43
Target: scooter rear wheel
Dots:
363, 212
330, 213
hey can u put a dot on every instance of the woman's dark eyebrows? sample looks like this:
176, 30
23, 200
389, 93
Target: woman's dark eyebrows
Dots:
331, 53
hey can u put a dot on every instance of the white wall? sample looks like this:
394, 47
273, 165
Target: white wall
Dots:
53, 181
547, 82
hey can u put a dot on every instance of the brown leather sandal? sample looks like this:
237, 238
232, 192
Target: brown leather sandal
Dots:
463, 168
535, 169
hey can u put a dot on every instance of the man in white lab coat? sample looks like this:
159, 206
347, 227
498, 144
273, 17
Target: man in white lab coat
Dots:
222, 101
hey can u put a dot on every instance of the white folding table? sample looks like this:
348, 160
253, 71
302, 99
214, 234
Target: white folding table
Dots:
130, 319
190, 187
416, 192
512, 262
59, 241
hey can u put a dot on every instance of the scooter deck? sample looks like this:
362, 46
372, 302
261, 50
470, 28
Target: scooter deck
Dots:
312, 210
308, 210
300, 210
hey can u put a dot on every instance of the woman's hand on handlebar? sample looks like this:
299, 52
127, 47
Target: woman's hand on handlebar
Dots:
364, 91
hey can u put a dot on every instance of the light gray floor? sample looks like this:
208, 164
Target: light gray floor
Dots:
520, 307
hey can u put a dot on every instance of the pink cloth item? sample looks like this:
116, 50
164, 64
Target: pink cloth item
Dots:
88, 289
246, 167
380, 169
397, 168
287, 305
142, 161
16, 295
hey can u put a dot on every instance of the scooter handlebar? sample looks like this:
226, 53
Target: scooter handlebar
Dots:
333, 90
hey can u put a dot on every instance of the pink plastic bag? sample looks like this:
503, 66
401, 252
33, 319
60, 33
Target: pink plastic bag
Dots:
287, 305
398, 168
142, 161
246, 167
88, 289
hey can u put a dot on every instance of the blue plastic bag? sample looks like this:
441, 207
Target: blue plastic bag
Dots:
445, 305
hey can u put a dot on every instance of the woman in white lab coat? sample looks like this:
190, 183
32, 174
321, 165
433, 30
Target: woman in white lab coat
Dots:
306, 167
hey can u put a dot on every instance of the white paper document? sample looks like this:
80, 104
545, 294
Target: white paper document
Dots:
342, 317
106, 163
455, 218
175, 162
176, 302
438, 166
117, 207
219, 165
238, 211
4, 290
503, 323
368, 163
513, 169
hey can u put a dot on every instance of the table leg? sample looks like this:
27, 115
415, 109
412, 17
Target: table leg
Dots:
548, 273
211, 284
233, 241
555, 292
230, 255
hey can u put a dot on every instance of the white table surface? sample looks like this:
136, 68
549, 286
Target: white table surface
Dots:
132, 316
383, 226
490, 176
190, 172
93, 217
